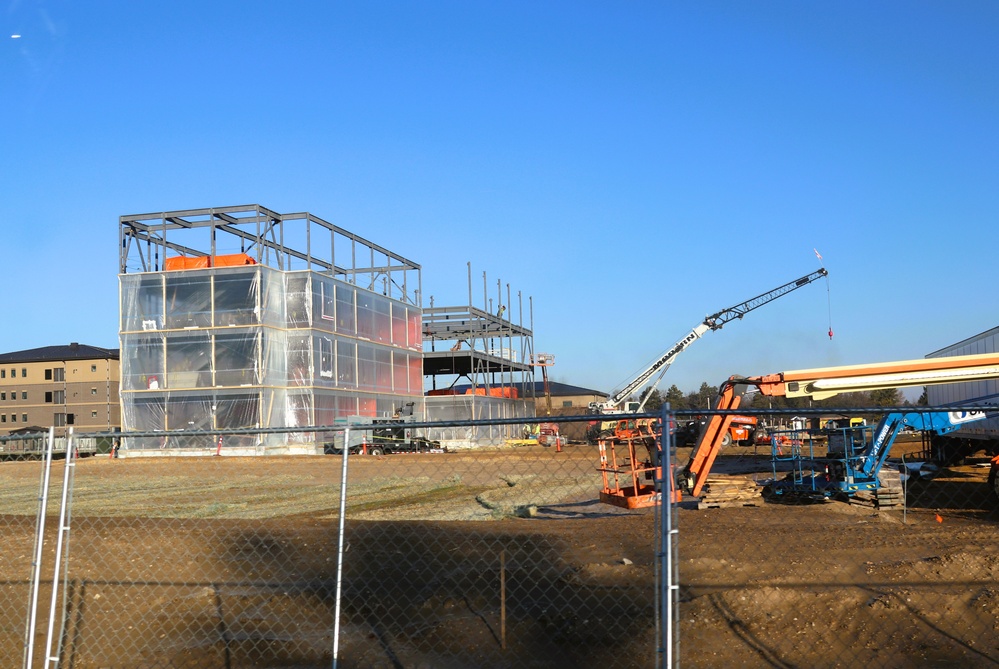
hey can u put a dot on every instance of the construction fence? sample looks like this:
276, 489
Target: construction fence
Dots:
500, 556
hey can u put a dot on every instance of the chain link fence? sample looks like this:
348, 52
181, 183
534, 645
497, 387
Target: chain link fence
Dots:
492, 557
787, 560
498, 556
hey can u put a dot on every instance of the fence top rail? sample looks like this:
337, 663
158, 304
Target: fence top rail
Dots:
580, 418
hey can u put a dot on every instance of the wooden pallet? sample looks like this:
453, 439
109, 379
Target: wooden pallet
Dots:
882, 498
730, 504
720, 493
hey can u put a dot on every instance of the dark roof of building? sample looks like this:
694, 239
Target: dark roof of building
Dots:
564, 389
30, 429
557, 389
73, 351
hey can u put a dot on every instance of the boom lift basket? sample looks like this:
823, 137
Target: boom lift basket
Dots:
629, 483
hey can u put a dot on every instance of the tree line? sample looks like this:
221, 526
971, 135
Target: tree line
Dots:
705, 396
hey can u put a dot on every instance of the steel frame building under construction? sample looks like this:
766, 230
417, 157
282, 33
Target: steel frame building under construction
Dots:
480, 361
239, 317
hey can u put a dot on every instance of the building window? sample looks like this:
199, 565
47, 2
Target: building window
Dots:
59, 374
59, 419
24, 394
48, 396
24, 373
3, 396
70, 418
93, 368
48, 374
93, 391
13, 395
566, 403
24, 418
3, 373
59, 397
13, 418
3, 418
13, 373
93, 414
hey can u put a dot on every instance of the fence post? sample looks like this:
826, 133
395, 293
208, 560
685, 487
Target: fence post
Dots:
36, 564
668, 588
60, 564
340, 548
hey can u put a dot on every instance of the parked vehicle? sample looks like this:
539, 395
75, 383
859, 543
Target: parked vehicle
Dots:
743, 430
379, 436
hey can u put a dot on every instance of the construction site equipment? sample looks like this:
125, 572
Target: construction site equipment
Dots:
629, 482
616, 403
544, 361
855, 457
629, 465
860, 464
743, 430
548, 435
386, 435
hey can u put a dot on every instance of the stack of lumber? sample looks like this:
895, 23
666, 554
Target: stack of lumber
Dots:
721, 492
888, 494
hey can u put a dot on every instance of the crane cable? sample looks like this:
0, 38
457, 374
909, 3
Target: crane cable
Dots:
829, 302
828, 293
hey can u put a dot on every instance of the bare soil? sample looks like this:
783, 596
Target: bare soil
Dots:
212, 562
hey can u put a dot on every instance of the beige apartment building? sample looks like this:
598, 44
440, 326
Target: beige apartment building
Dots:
61, 386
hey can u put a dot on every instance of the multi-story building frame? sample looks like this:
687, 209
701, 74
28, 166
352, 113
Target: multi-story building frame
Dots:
240, 317
480, 362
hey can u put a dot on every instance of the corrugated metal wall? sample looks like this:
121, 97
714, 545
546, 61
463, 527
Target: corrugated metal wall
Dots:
986, 342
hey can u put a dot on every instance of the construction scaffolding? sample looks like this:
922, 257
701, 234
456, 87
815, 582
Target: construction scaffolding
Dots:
479, 361
239, 317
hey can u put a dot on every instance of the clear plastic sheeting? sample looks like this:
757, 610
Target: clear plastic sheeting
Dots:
254, 347
476, 407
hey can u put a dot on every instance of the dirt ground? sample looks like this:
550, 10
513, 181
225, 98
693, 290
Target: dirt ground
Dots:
231, 562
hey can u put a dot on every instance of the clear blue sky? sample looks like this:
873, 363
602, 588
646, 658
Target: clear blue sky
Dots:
632, 166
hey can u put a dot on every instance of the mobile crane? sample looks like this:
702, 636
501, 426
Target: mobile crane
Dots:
626, 478
856, 468
715, 321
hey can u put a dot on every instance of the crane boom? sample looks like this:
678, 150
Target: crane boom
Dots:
717, 320
713, 322
827, 382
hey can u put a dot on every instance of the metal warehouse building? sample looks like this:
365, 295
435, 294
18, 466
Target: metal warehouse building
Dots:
986, 391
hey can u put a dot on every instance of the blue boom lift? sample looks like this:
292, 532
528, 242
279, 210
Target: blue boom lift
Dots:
854, 455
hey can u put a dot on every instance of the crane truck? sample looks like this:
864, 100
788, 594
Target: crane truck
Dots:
855, 464
616, 403
626, 482
739, 431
